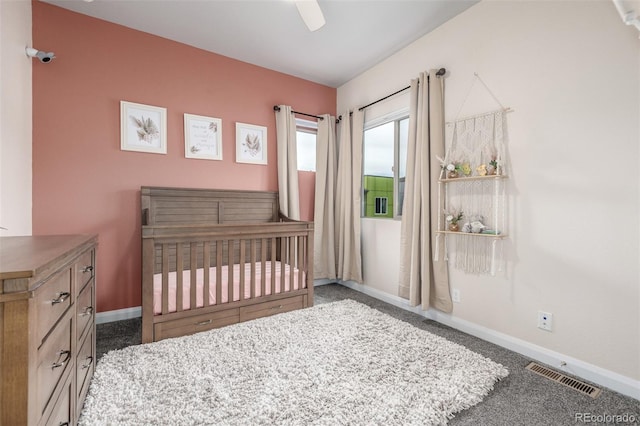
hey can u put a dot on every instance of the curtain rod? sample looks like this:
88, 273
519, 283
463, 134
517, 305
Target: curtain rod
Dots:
277, 108
440, 73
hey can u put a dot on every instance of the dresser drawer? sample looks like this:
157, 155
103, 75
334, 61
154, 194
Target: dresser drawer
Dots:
85, 365
54, 358
52, 300
85, 269
84, 309
63, 408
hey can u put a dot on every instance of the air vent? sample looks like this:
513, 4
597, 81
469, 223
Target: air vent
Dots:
577, 385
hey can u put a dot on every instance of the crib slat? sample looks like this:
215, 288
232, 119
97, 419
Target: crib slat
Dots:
165, 278
218, 272
179, 269
193, 256
283, 261
252, 247
273, 265
292, 260
242, 275
206, 265
231, 248
300, 259
263, 269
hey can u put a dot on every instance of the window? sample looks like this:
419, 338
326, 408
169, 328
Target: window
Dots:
306, 132
384, 165
381, 205
306, 151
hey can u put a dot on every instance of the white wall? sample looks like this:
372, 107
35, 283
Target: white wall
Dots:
571, 71
15, 117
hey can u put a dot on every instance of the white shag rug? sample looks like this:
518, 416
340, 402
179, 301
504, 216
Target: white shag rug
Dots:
340, 363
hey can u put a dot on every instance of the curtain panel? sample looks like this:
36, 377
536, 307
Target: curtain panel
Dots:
422, 280
289, 198
324, 213
348, 198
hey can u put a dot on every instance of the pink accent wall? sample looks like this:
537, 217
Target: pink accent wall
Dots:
84, 183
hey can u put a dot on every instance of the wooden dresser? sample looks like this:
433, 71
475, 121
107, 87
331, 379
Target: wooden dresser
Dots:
47, 327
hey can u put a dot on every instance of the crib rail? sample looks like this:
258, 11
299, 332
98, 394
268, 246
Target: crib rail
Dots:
185, 249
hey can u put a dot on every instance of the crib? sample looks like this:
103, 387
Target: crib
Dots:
212, 258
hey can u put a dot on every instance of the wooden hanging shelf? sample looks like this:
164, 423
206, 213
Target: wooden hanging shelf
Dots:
499, 236
468, 178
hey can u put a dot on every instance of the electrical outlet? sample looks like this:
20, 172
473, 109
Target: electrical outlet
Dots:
455, 295
545, 320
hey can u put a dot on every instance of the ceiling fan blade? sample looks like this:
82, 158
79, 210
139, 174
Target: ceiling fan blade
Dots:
311, 14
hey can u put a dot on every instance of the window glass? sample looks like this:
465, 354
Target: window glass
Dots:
381, 205
378, 151
306, 147
384, 168
403, 139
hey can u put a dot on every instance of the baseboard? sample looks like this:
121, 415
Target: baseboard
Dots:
323, 281
570, 365
118, 315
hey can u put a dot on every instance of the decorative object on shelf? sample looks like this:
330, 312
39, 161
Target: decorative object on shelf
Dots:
474, 225
251, 144
476, 150
466, 169
477, 227
202, 137
453, 217
452, 171
493, 167
143, 128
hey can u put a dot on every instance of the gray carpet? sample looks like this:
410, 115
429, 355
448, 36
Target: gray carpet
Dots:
522, 398
365, 366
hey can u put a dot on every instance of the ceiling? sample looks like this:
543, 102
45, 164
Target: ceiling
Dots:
270, 33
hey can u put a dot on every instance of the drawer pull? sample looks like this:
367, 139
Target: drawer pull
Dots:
85, 366
61, 297
87, 269
63, 424
204, 322
273, 308
61, 362
87, 311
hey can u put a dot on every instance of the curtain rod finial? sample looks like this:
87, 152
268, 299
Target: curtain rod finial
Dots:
276, 108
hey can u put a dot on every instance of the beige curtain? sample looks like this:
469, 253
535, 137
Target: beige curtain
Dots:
287, 163
423, 281
348, 198
324, 213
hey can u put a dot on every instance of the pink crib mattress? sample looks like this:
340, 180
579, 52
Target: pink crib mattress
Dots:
186, 285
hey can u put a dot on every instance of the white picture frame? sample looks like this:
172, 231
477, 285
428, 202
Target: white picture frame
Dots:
202, 137
251, 143
143, 128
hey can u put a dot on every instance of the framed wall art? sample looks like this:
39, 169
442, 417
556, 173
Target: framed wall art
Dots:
143, 128
202, 137
251, 144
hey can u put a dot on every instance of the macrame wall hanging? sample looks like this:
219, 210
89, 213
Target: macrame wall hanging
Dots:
472, 193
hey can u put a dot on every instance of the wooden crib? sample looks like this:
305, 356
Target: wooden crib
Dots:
245, 258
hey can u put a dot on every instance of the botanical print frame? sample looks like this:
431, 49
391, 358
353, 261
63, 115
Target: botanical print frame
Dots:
251, 144
143, 128
202, 137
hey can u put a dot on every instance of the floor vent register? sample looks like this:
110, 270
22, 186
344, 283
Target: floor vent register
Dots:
577, 385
